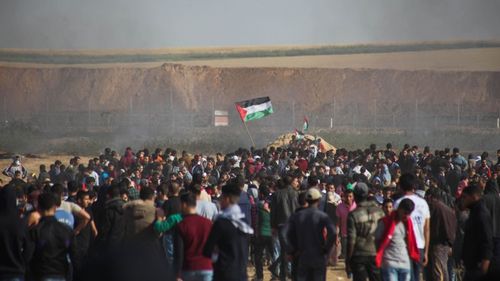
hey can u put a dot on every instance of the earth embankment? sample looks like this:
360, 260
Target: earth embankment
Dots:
28, 90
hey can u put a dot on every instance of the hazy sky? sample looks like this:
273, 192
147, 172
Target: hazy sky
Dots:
167, 23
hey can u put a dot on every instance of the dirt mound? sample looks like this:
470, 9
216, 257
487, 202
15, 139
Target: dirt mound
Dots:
285, 139
25, 91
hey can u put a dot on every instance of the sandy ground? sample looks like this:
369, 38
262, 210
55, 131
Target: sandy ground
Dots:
480, 59
487, 59
336, 273
32, 164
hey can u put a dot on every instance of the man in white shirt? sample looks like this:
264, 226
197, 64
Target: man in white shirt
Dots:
204, 208
420, 218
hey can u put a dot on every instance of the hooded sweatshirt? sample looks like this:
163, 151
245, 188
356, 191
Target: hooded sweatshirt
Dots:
15, 247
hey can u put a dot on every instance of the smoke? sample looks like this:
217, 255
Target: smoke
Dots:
76, 24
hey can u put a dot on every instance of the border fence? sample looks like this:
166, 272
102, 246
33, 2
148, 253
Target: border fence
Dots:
160, 119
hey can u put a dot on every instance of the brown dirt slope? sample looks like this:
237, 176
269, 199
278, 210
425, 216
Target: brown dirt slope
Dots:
32, 89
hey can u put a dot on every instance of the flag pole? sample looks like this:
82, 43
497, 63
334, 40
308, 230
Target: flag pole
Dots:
245, 124
248, 132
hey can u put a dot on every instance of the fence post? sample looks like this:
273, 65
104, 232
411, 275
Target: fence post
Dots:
416, 113
4, 108
47, 113
498, 119
130, 111
212, 114
172, 115
89, 116
333, 114
353, 117
458, 113
293, 114
375, 119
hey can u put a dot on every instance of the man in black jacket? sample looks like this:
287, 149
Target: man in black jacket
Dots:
306, 240
492, 201
53, 242
443, 228
15, 247
112, 230
283, 204
230, 235
478, 237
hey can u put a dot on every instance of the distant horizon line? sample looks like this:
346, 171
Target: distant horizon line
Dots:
216, 48
99, 56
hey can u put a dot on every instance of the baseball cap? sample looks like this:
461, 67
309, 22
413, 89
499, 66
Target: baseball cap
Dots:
313, 194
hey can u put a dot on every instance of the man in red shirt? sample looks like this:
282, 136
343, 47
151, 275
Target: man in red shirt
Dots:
302, 162
191, 236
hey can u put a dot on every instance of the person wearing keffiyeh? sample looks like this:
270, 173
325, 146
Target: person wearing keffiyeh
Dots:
227, 243
397, 246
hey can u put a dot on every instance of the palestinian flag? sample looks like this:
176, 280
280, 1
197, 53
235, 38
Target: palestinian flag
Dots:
254, 109
306, 124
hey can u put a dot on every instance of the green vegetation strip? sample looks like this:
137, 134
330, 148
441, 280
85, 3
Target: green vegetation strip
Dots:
34, 57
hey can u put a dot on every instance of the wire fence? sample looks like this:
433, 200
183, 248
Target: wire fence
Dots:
160, 119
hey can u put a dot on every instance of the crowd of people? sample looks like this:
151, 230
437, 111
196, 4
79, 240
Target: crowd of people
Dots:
294, 211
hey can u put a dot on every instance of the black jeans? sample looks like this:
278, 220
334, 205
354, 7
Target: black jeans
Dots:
475, 275
261, 243
363, 268
416, 267
283, 249
311, 273
343, 246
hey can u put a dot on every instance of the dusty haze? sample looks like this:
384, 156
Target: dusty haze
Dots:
76, 24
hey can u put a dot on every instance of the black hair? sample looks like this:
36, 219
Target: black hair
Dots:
146, 193
407, 206
188, 198
57, 189
287, 180
302, 198
114, 191
231, 189
407, 182
123, 191
72, 186
312, 181
47, 200
196, 189
92, 194
81, 194
386, 201
472, 190
264, 189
